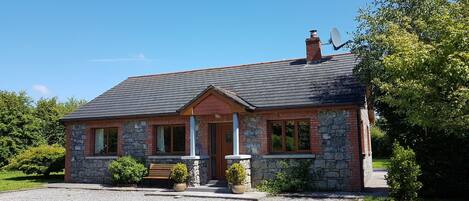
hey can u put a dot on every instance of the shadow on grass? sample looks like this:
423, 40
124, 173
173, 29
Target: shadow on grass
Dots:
54, 178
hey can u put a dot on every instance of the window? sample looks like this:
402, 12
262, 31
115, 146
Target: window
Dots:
170, 139
105, 141
289, 136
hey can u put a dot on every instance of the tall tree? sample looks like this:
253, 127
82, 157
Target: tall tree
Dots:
414, 55
19, 128
50, 111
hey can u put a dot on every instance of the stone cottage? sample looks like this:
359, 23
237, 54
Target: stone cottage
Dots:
307, 109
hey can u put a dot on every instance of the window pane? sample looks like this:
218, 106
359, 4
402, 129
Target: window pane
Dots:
179, 138
276, 136
303, 135
99, 141
290, 136
112, 135
163, 139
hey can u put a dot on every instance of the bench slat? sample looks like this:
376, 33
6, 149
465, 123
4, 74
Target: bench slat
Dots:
159, 171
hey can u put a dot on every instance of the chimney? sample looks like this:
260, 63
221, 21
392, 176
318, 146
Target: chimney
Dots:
313, 48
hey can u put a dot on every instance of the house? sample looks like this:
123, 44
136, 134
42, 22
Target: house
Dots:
308, 109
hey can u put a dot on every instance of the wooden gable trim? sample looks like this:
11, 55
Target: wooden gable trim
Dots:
233, 105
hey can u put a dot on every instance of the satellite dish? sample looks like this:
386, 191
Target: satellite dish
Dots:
336, 40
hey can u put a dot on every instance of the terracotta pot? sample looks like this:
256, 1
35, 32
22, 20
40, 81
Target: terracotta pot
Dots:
238, 189
180, 187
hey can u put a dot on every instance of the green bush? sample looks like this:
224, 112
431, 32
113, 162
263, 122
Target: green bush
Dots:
179, 173
380, 143
402, 174
292, 178
126, 170
43, 159
236, 174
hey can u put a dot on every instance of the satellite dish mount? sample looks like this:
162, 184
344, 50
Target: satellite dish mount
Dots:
336, 40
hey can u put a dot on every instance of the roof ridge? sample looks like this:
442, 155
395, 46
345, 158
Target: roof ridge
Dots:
229, 66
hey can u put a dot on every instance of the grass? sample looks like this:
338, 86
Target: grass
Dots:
380, 163
16, 180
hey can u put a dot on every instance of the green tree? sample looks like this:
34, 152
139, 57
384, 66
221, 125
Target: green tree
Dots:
50, 111
414, 55
19, 128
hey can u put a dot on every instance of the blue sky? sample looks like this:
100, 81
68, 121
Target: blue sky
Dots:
83, 48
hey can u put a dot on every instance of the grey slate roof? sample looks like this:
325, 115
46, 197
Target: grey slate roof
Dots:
279, 84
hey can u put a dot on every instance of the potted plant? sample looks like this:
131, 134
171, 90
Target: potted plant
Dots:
236, 175
179, 175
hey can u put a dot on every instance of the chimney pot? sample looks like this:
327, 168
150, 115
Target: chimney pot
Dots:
313, 48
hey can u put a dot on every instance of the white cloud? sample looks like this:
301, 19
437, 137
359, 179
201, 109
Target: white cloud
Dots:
138, 57
41, 89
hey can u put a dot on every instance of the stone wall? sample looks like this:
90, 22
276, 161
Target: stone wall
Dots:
93, 169
367, 168
337, 149
84, 169
134, 139
331, 169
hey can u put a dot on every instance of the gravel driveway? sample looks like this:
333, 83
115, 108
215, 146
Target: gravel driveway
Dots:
51, 194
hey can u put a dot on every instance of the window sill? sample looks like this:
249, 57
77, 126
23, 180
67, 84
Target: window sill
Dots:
102, 157
290, 156
164, 157
237, 157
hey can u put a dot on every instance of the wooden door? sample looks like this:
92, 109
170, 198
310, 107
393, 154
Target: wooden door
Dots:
222, 145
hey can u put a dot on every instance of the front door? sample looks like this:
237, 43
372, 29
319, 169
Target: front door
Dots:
221, 145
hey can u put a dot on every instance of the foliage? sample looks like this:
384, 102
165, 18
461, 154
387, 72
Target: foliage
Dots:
43, 160
19, 128
291, 178
380, 163
402, 174
16, 180
126, 170
236, 174
179, 173
414, 56
50, 111
380, 143
24, 124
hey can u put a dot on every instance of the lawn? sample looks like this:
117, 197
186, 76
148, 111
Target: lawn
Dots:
15, 180
380, 163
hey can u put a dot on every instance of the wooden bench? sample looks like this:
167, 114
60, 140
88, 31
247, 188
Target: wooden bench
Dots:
159, 171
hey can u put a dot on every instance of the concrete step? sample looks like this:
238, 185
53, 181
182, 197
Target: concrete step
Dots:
216, 183
209, 189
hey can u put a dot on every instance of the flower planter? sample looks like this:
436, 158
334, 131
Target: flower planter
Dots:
179, 187
238, 189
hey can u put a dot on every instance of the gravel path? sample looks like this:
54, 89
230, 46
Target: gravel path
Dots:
50, 194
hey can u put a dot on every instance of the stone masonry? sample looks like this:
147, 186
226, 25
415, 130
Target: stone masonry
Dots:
85, 169
329, 170
94, 169
134, 139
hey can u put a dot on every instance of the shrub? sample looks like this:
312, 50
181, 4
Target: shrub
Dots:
43, 159
126, 170
179, 173
402, 174
236, 174
380, 143
292, 178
